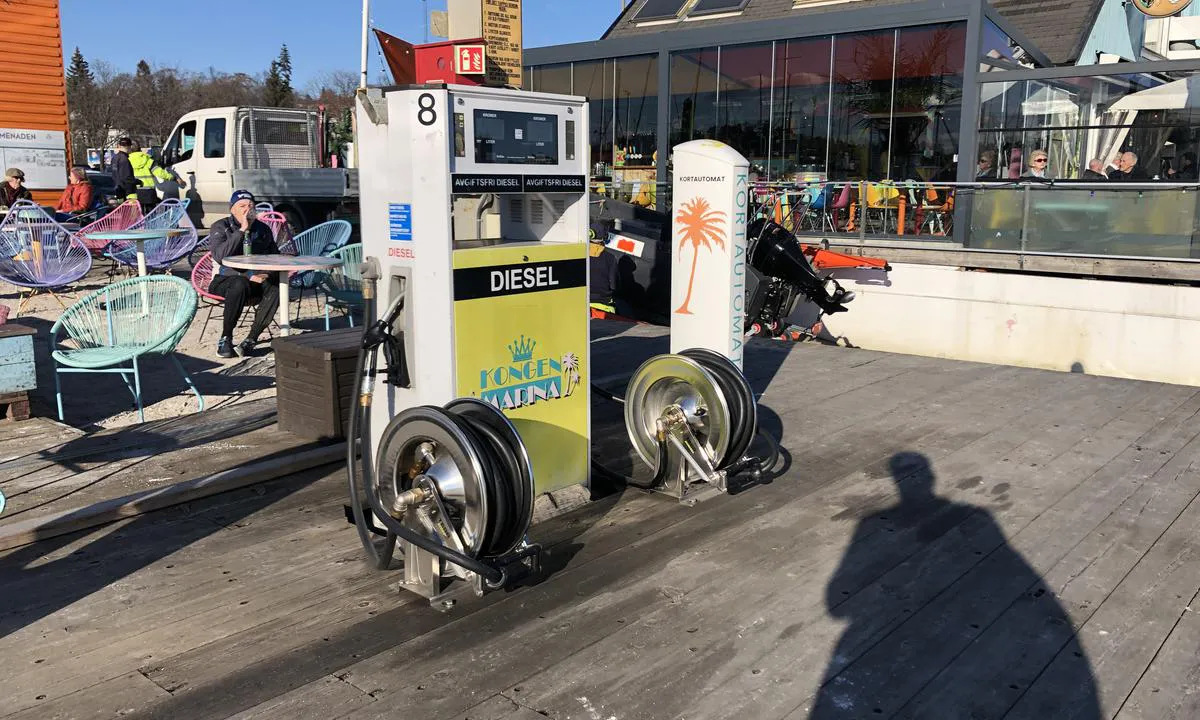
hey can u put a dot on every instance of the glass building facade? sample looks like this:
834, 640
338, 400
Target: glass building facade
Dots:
943, 99
855, 106
1092, 120
622, 98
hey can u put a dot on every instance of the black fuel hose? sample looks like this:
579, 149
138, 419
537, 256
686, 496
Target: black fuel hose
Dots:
360, 424
607, 395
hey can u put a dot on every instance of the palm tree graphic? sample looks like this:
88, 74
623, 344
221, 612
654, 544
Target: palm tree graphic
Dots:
570, 364
700, 225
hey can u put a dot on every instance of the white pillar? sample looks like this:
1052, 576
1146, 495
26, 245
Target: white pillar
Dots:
710, 196
366, 41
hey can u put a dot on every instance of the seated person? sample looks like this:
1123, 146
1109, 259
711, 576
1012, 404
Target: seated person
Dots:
77, 198
240, 287
14, 188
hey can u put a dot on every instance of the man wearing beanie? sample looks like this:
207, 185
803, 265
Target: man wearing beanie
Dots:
238, 287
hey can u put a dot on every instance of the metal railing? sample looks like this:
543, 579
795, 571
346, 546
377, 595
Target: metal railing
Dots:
1133, 220
1149, 221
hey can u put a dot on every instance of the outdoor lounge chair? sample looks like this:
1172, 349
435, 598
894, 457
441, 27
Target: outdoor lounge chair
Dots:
121, 323
321, 239
121, 218
161, 253
38, 253
343, 285
202, 275
280, 230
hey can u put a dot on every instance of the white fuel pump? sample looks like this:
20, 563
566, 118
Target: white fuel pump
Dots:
474, 224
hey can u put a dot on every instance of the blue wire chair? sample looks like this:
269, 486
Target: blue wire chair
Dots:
39, 254
119, 324
161, 253
320, 239
343, 285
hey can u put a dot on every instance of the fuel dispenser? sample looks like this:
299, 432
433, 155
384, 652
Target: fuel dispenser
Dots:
475, 230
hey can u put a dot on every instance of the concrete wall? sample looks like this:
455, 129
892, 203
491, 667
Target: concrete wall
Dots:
1100, 327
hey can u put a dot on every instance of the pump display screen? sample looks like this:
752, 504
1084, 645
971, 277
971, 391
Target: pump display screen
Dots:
515, 138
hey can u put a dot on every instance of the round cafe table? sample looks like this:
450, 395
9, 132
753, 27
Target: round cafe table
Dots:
285, 265
139, 238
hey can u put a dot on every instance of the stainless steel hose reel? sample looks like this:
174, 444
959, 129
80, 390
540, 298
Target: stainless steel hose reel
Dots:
692, 417
455, 486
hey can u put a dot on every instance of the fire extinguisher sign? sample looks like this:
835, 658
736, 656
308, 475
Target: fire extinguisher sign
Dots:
469, 60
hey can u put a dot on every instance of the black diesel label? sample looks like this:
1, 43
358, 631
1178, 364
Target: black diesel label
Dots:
501, 280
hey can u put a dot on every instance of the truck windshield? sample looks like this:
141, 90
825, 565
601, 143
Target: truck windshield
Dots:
181, 144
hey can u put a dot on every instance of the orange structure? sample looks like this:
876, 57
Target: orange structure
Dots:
33, 92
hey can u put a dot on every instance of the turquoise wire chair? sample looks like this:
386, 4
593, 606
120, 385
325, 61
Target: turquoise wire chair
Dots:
119, 324
343, 285
320, 239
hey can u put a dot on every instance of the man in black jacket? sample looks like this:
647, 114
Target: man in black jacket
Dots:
1128, 169
227, 238
122, 170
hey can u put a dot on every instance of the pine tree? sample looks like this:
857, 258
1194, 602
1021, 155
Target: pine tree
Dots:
79, 74
277, 90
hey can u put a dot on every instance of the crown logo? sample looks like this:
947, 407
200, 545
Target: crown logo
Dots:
522, 349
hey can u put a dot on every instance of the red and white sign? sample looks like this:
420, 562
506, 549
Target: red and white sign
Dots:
469, 60
626, 245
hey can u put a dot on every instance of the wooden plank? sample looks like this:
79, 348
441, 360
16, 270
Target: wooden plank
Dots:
325, 698
68, 521
1170, 687
1130, 626
711, 539
885, 673
1036, 628
499, 707
255, 582
157, 436
786, 636
109, 699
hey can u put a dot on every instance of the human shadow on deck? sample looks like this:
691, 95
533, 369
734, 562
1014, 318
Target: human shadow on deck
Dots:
944, 619
35, 588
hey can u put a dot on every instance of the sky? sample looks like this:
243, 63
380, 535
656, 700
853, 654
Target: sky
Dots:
321, 35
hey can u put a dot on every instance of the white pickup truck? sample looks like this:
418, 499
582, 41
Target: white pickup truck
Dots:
272, 152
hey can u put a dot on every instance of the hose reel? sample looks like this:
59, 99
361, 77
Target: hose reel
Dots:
456, 486
692, 416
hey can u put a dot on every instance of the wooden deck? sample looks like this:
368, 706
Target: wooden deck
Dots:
949, 540
48, 468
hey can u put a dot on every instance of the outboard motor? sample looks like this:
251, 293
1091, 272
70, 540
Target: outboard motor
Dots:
779, 275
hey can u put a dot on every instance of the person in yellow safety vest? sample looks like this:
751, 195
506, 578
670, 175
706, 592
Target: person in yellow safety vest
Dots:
146, 171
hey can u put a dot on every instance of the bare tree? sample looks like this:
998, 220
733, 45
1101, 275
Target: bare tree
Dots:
97, 106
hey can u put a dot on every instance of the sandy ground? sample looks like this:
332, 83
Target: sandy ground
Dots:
95, 401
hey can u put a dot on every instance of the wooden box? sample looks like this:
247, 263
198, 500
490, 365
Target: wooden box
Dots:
314, 382
18, 374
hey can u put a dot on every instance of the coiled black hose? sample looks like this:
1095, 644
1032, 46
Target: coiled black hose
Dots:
767, 464
359, 430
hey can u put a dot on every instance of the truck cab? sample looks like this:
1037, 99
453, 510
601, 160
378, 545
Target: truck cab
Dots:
272, 152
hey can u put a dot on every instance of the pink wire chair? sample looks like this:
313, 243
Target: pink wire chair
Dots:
121, 218
282, 233
202, 275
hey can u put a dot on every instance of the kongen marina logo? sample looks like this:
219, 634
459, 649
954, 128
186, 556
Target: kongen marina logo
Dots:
529, 378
